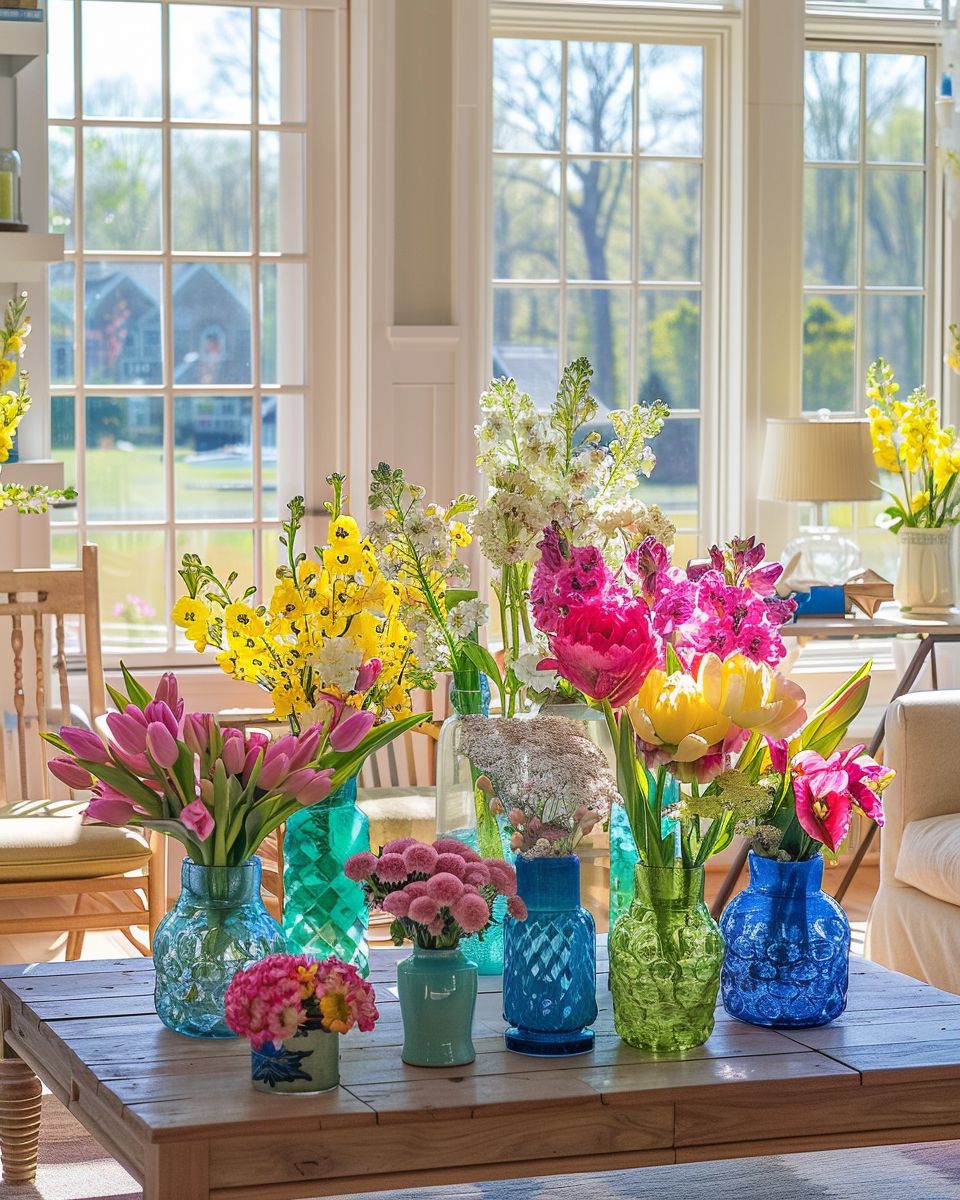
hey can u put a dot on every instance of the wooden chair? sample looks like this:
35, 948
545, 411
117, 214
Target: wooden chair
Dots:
115, 877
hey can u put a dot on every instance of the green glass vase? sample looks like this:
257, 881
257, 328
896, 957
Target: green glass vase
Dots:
666, 952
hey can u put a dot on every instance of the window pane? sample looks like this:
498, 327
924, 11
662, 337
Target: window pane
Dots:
829, 353
599, 97
213, 457
63, 448
895, 107
225, 550
209, 62
598, 325
124, 458
273, 556
281, 192
64, 550
894, 228
674, 485
213, 212
282, 65
282, 301
60, 70
121, 189
668, 221
62, 171
893, 328
211, 323
526, 219
598, 219
526, 95
122, 323
671, 99
668, 348
281, 441
831, 115
830, 225
121, 59
61, 276
526, 339
133, 600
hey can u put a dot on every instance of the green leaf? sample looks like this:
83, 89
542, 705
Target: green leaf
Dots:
137, 693
484, 661
119, 699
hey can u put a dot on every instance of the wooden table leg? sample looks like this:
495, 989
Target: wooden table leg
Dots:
19, 1121
176, 1172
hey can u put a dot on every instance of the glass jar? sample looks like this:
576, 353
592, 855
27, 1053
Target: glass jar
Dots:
218, 925
788, 947
10, 213
665, 957
324, 912
550, 962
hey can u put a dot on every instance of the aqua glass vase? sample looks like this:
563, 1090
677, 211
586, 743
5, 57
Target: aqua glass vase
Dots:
788, 947
464, 813
623, 849
665, 957
550, 962
218, 925
309, 1061
438, 995
324, 912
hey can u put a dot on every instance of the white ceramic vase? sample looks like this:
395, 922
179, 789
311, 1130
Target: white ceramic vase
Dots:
925, 573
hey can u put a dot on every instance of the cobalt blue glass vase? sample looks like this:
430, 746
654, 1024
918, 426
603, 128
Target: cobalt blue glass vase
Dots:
788, 947
550, 962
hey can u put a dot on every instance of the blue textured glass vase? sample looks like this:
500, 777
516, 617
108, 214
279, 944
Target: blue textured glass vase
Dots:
218, 925
623, 849
324, 912
550, 962
788, 947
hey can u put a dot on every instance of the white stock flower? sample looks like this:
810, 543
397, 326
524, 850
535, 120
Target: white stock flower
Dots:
337, 662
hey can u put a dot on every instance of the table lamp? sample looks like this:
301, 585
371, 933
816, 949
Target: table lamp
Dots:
818, 461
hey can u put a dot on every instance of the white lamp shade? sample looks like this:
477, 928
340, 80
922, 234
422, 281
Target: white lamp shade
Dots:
818, 461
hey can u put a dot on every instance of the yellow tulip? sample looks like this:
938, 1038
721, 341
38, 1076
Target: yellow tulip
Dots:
671, 711
752, 696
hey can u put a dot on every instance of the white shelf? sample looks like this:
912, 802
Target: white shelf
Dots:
24, 257
20, 43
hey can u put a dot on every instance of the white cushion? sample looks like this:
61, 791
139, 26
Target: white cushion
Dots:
929, 858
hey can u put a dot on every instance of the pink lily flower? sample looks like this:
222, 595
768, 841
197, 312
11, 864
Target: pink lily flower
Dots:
85, 744
198, 819
351, 731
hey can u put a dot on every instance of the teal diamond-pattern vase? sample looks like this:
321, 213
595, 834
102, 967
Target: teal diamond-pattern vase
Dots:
324, 912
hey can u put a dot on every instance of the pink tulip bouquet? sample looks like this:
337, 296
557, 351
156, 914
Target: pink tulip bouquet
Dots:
215, 789
436, 893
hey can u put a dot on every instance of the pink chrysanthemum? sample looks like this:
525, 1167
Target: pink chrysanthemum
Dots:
452, 846
360, 866
420, 859
397, 904
423, 910
452, 864
476, 873
391, 868
516, 908
444, 888
502, 876
471, 913
398, 845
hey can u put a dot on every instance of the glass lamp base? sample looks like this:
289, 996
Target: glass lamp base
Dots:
825, 556
548, 1045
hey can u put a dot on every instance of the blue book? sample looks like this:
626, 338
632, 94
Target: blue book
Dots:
21, 14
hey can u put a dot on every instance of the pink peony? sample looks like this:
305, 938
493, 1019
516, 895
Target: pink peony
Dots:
452, 864
360, 866
606, 648
198, 819
444, 888
423, 910
420, 859
516, 908
391, 868
471, 912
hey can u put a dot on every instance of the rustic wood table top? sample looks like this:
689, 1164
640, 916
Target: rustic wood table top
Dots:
181, 1115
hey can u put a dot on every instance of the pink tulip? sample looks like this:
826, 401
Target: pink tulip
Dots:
168, 691
137, 763
257, 740
198, 819
318, 789
112, 809
196, 732
307, 747
273, 772
606, 648
368, 674
158, 711
85, 744
70, 773
161, 744
285, 745
352, 730
128, 729
233, 755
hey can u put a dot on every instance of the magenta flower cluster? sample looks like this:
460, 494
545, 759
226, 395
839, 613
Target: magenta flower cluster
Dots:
437, 892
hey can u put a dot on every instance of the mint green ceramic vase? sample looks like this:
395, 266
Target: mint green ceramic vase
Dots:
438, 993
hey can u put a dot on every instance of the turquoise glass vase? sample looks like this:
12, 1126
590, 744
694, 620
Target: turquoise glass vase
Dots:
218, 925
324, 912
623, 849
438, 994
550, 962
788, 947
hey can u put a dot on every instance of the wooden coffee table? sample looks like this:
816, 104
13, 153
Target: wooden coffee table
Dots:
182, 1117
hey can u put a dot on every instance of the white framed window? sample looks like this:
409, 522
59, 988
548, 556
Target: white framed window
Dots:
177, 148
604, 233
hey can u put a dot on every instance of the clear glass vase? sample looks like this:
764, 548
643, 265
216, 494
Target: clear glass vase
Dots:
665, 957
623, 849
324, 912
218, 925
550, 962
463, 813
788, 947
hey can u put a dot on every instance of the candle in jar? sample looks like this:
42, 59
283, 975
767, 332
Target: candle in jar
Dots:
6, 195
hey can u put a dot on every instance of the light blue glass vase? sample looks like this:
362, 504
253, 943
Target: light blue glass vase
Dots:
438, 994
623, 849
324, 912
218, 925
788, 947
550, 962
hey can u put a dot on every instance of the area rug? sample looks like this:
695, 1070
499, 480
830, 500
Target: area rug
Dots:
74, 1167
